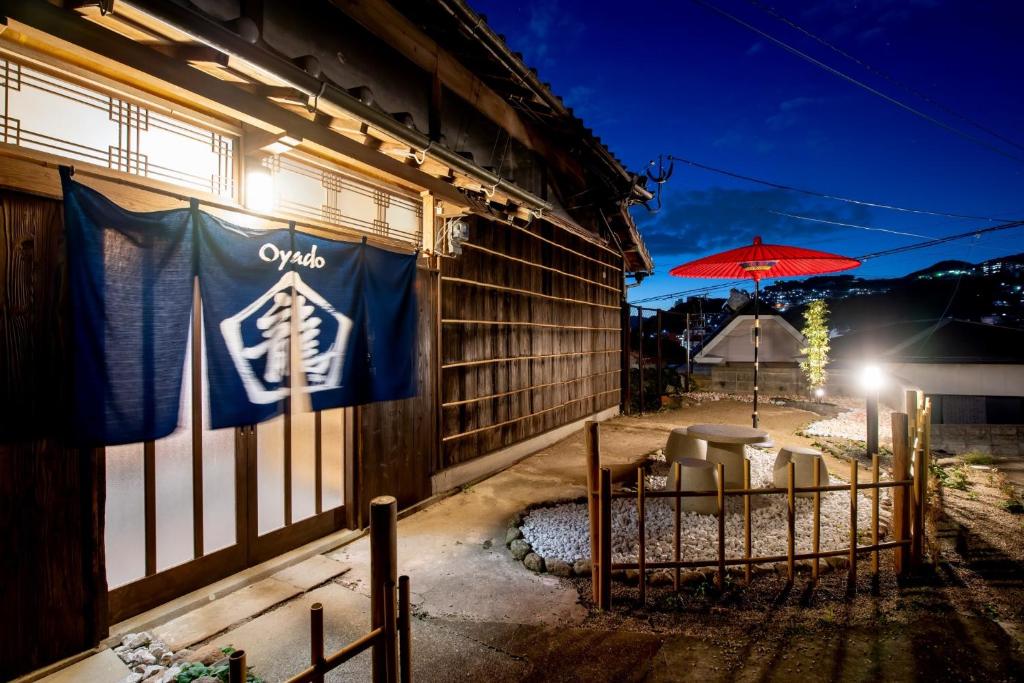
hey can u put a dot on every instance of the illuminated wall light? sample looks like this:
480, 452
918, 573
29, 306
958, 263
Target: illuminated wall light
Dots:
259, 190
872, 378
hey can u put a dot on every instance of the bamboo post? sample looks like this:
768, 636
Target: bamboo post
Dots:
236, 667
853, 524
746, 521
900, 495
404, 631
641, 522
677, 476
790, 521
875, 495
816, 528
316, 639
383, 577
605, 539
917, 536
721, 526
921, 477
592, 430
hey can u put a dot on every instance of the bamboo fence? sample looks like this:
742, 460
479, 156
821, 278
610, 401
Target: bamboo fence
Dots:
908, 483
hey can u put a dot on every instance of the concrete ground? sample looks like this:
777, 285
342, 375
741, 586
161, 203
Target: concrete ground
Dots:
480, 615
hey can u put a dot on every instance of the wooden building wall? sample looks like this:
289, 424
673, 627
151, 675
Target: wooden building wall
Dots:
52, 578
530, 336
397, 440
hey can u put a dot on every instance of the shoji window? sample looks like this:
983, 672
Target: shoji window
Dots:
43, 112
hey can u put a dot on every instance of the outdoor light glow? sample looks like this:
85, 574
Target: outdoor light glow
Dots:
819, 392
872, 378
259, 190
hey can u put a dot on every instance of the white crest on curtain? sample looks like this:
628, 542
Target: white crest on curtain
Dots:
281, 343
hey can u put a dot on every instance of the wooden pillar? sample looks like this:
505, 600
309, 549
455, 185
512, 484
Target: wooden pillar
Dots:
605, 540
316, 639
640, 363
404, 631
900, 494
383, 579
627, 351
853, 525
592, 430
872, 421
660, 385
641, 519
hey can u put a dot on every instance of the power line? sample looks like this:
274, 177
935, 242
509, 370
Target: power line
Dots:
882, 74
823, 195
846, 225
836, 72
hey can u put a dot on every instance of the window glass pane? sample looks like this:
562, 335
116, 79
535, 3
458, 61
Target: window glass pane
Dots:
218, 479
322, 192
125, 530
332, 439
270, 474
303, 464
173, 476
50, 114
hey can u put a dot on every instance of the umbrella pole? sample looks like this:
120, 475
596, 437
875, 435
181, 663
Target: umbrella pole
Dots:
757, 344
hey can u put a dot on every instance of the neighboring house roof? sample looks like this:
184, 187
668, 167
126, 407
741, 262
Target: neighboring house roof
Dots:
930, 341
706, 355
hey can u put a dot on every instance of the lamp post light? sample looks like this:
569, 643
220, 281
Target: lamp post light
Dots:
871, 380
819, 393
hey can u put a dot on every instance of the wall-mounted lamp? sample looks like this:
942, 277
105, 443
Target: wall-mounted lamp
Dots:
259, 190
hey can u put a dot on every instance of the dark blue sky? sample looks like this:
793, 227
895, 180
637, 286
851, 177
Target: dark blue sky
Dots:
674, 77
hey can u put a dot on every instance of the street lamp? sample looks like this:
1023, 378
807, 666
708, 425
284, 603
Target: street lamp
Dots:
872, 379
819, 393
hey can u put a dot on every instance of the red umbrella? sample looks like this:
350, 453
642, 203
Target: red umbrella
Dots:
762, 261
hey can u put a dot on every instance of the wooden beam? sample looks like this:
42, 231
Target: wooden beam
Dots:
32, 18
190, 52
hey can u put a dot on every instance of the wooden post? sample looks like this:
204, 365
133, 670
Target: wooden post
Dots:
790, 521
926, 459
816, 530
383, 577
640, 354
592, 430
689, 366
875, 495
721, 526
677, 477
236, 667
917, 532
316, 639
853, 524
404, 631
661, 387
641, 522
900, 495
627, 357
912, 408
605, 539
746, 521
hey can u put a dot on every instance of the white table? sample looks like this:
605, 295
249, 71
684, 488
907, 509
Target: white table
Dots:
725, 446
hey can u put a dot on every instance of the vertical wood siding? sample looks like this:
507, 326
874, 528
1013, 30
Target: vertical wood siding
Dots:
568, 352
52, 578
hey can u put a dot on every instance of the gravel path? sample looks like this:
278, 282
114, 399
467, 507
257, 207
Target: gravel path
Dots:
561, 531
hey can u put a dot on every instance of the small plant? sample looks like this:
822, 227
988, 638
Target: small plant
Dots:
1013, 505
977, 458
815, 331
952, 477
219, 670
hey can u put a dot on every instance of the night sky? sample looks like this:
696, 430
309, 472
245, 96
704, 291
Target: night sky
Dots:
676, 78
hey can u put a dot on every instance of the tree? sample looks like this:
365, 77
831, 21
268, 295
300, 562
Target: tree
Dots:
815, 354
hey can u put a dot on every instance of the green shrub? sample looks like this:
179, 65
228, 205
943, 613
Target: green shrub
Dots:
194, 670
977, 458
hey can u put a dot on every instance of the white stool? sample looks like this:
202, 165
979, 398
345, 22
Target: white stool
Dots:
682, 445
731, 455
697, 475
804, 461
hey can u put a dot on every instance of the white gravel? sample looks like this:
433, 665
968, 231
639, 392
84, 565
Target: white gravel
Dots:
561, 531
852, 425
